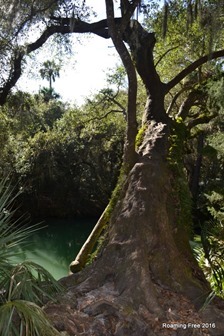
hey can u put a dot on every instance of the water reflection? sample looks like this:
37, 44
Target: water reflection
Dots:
56, 245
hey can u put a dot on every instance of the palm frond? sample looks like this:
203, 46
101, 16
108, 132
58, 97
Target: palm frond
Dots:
24, 285
24, 318
13, 232
11, 237
27, 281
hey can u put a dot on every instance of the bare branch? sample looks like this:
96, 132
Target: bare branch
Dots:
167, 52
105, 115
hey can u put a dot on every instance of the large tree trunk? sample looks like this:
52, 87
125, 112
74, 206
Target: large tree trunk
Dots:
145, 275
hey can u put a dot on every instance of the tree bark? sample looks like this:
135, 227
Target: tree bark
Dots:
141, 44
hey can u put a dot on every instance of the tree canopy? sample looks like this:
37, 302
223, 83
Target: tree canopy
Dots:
65, 17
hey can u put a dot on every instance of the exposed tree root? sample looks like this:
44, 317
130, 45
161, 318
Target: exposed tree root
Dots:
103, 311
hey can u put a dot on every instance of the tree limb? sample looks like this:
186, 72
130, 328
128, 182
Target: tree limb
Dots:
174, 99
193, 66
193, 96
163, 55
203, 119
106, 114
60, 25
127, 10
117, 38
87, 248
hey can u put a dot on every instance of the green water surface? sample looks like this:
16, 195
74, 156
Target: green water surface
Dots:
57, 244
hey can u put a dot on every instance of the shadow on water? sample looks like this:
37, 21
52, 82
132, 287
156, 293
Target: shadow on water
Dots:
57, 244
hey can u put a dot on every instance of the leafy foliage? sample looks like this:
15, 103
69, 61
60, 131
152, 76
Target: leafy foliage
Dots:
56, 150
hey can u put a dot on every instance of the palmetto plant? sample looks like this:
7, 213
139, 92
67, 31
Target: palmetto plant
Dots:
209, 252
212, 238
23, 286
